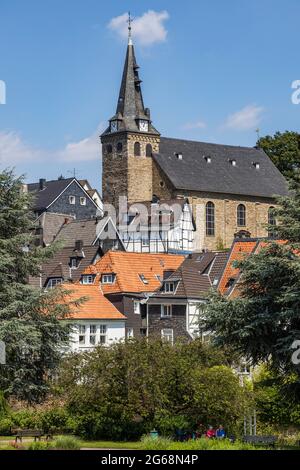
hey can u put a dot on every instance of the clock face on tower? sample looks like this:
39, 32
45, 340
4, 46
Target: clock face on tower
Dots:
113, 126
144, 126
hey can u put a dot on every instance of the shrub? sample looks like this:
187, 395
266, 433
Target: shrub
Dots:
3, 405
54, 420
167, 425
66, 443
5, 426
39, 445
148, 443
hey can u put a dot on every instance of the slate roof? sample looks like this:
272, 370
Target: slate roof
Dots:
86, 230
59, 265
51, 223
128, 267
52, 190
95, 306
195, 277
194, 173
130, 105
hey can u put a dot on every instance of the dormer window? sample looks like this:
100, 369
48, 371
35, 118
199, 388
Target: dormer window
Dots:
87, 279
108, 278
169, 287
232, 162
73, 263
207, 159
179, 156
256, 165
53, 282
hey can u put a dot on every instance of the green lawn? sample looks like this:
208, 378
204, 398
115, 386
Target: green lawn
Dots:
111, 445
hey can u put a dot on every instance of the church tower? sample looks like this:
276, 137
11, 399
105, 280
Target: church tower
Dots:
129, 141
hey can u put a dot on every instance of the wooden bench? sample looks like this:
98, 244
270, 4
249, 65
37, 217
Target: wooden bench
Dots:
20, 433
261, 440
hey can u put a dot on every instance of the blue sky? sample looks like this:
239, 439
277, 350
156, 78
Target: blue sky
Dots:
212, 70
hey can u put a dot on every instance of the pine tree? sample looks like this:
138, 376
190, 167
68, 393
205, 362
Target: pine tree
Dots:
31, 320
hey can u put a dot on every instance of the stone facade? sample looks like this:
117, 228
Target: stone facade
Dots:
125, 174
225, 213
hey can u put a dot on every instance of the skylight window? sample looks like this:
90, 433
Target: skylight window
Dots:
143, 279
207, 159
256, 165
232, 162
179, 156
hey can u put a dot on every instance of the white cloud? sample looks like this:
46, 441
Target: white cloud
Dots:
247, 118
14, 150
147, 29
84, 150
194, 125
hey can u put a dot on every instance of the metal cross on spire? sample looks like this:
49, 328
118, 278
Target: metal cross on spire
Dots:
129, 21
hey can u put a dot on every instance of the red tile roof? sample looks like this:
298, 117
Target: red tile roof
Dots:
97, 306
128, 267
240, 250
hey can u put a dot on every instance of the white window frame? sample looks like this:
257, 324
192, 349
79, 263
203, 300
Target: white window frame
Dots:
82, 333
107, 279
130, 333
167, 287
53, 282
83, 201
93, 334
72, 200
169, 310
137, 307
103, 334
167, 334
75, 261
87, 280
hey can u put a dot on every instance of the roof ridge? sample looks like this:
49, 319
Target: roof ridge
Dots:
211, 143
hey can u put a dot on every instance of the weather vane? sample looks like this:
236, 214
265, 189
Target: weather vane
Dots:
129, 21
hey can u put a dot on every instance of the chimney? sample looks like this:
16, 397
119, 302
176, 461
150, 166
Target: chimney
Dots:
42, 184
78, 245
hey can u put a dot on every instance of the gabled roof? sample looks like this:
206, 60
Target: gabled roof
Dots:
240, 249
195, 277
194, 173
96, 306
43, 198
129, 267
87, 230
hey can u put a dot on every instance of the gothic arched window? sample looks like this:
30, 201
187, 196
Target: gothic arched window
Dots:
241, 215
119, 147
271, 222
148, 150
210, 219
137, 149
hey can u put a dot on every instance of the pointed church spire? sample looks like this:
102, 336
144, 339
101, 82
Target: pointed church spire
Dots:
131, 114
